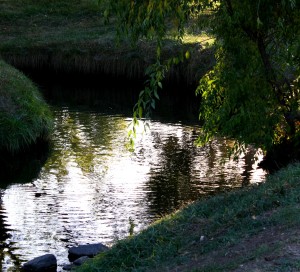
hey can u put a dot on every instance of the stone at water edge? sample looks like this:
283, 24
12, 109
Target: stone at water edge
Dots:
45, 263
89, 250
68, 267
77, 262
81, 260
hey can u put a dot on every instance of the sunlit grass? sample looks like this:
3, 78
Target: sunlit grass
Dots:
203, 39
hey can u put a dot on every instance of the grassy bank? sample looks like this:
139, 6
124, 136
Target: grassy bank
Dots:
71, 36
24, 116
253, 229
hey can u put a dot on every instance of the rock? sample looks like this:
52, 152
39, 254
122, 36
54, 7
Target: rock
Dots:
68, 267
86, 250
77, 262
45, 263
81, 260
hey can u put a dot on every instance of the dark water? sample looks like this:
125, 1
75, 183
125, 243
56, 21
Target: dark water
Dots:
90, 187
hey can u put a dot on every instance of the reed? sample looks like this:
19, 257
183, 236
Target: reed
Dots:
125, 64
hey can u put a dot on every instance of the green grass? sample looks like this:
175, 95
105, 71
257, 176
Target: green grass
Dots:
72, 36
24, 116
236, 228
50, 25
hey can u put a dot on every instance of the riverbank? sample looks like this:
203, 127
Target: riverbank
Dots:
26, 123
72, 37
252, 229
25, 118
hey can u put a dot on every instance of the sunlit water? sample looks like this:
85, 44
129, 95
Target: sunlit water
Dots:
91, 186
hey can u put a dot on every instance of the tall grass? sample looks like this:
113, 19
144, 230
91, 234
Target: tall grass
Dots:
24, 115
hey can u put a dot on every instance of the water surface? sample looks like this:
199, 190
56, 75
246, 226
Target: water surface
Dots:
91, 186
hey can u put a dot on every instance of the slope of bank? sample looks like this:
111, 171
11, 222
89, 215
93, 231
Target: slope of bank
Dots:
71, 37
25, 118
252, 229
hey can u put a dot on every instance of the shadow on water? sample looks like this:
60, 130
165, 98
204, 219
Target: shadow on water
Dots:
184, 172
115, 95
170, 179
24, 166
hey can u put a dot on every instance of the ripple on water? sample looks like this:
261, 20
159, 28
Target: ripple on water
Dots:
91, 186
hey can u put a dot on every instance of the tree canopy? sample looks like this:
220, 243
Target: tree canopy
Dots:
252, 93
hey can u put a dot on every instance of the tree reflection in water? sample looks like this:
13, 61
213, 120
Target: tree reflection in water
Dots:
184, 172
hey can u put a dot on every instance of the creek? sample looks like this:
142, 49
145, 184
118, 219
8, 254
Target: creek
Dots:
92, 189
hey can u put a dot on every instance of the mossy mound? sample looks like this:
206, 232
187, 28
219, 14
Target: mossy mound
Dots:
24, 115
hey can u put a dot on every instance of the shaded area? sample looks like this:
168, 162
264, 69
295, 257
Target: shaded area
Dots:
184, 172
25, 165
115, 95
281, 155
171, 177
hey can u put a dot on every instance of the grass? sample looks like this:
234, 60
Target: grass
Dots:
244, 230
24, 116
41, 23
72, 36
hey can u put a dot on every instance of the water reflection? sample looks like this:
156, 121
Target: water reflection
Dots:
182, 172
91, 185
7, 255
23, 166
172, 174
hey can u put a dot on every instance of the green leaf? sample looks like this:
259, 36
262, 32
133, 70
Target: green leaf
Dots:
187, 55
140, 112
156, 94
175, 60
153, 104
158, 51
259, 22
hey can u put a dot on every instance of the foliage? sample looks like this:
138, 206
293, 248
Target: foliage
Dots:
198, 235
252, 94
24, 116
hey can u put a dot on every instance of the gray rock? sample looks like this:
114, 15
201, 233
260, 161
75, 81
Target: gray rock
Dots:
81, 260
86, 250
68, 267
45, 263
